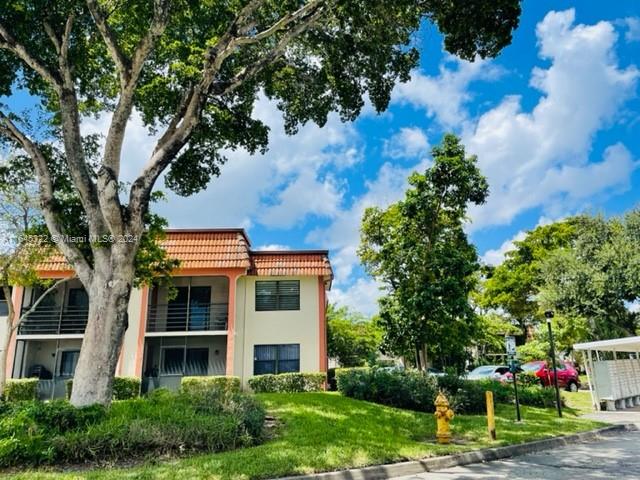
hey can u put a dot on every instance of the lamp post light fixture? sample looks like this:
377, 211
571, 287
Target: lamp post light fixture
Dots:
549, 315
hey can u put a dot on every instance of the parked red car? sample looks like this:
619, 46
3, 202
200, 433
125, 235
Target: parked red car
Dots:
568, 376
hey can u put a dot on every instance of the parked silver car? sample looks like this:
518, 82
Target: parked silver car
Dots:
490, 372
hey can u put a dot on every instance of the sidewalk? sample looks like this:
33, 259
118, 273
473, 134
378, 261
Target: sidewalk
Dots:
629, 415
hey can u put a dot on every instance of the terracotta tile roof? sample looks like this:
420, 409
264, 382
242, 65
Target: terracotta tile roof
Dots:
208, 248
225, 248
310, 262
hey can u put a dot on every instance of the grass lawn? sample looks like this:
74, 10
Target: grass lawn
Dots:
579, 402
324, 431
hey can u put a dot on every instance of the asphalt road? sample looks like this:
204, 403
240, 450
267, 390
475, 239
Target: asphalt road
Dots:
614, 458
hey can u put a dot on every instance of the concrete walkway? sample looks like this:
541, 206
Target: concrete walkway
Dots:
613, 457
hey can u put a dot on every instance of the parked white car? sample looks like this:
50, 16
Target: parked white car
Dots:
490, 372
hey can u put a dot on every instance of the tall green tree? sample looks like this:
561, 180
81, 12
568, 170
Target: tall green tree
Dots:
352, 339
513, 285
193, 70
592, 283
418, 249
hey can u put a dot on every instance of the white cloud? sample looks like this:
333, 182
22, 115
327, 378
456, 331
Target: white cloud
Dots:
136, 148
272, 247
409, 142
541, 158
444, 96
496, 256
282, 187
632, 25
362, 296
303, 196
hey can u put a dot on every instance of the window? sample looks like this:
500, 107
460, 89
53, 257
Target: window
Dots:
277, 295
197, 361
192, 303
276, 358
4, 309
68, 361
173, 361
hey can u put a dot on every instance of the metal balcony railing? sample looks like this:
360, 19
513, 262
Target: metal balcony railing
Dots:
54, 320
182, 317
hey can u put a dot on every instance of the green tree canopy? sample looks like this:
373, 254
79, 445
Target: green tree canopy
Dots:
593, 282
418, 249
352, 339
513, 285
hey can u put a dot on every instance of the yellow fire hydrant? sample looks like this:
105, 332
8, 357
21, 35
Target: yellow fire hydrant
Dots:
443, 414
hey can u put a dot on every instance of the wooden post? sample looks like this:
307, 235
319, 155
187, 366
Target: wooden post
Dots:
491, 419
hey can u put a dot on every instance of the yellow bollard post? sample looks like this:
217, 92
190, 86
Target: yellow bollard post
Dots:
443, 416
491, 419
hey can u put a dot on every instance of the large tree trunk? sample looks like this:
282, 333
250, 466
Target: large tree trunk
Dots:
109, 294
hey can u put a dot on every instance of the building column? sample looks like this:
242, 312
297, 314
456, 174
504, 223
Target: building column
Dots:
323, 361
142, 328
231, 322
16, 300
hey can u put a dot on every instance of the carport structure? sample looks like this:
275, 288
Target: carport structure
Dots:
613, 372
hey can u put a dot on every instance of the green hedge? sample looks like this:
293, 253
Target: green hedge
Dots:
163, 423
19, 389
124, 388
333, 373
222, 383
416, 391
288, 383
403, 389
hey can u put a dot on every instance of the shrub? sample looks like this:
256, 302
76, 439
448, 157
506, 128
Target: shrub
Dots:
404, 389
227, 385
288, 383
332, 374
538, 397
124, 388
415, 391
528, 380
33, 433
27, 427
20, 389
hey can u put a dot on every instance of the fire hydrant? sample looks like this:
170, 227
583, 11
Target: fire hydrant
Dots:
443, 414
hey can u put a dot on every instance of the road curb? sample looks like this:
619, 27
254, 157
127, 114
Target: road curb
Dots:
378, 472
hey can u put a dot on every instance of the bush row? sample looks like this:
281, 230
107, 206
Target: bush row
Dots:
124, 388
416, 391
288, 383
34, 433
228, 385
19, 389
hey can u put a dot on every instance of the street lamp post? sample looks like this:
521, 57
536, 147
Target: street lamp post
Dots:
549, 315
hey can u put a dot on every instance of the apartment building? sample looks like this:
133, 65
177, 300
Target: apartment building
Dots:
235, 311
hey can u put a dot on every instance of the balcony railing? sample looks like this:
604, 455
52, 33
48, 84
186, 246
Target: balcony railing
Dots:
182, 317
55, 320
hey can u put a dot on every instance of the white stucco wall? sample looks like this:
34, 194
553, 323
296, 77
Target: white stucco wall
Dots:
130, 342
276, 327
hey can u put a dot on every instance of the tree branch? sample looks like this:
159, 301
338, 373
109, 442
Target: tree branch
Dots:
181, 127
47, 199
31, 309
280, 24
7, 42
109, 38
130, 71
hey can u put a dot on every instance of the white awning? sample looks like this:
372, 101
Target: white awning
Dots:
626, 344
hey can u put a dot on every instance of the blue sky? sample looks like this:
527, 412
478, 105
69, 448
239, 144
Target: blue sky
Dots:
554, 121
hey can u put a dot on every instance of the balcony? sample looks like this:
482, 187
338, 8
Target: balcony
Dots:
183, 317
55, 320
